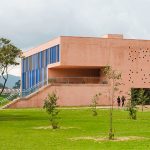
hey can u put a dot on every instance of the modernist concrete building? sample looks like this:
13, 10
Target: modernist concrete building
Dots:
72, 66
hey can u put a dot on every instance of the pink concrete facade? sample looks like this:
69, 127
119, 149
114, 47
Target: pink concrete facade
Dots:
85, 57
70, 95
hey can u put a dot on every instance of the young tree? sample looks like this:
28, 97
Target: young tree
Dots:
8, 57
131, 105
94, 103
51, 108
113, 76
142, 98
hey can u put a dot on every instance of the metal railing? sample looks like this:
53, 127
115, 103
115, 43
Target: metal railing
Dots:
76, 80
34, 88
24, 93
11, 97
63, 80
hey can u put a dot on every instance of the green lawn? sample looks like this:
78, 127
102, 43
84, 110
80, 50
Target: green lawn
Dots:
20, 130
2, 101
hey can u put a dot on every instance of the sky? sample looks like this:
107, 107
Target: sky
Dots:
28, 23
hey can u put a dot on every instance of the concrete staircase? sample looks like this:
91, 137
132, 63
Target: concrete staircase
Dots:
12, 103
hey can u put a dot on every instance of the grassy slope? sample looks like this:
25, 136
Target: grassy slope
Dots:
17, 130
4, 102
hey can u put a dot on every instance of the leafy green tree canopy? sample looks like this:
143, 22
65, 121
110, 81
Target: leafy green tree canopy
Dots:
8, 57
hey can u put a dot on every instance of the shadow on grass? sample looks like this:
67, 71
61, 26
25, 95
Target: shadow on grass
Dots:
8, 117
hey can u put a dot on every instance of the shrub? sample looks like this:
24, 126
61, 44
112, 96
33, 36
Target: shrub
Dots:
131, 106
94, 103
132, 113
50, 105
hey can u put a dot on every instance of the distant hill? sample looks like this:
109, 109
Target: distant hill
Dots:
11, 80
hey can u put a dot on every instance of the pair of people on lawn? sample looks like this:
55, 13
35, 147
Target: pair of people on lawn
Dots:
121, 101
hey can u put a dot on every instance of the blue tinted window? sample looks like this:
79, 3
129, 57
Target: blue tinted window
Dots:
35, 69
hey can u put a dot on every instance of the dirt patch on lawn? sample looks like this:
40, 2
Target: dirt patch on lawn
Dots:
102, 139
50, 127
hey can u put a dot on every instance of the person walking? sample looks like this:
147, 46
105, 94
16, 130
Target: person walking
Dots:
123, 100
118, 101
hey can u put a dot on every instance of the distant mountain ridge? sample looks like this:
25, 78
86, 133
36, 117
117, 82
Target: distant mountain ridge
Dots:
11, 80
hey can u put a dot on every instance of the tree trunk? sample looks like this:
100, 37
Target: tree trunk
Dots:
142, 107
111, 134
5, 79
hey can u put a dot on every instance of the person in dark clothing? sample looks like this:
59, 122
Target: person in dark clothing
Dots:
123, 100
118, 101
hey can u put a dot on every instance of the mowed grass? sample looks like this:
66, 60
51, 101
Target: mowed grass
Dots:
2, 101
24, 130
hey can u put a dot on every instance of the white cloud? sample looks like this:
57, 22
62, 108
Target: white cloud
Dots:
16, 71
31, 22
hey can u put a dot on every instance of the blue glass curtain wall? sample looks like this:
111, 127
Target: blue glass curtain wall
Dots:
34, 68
